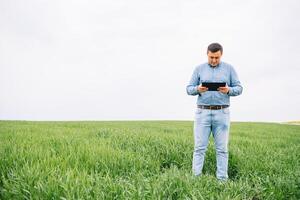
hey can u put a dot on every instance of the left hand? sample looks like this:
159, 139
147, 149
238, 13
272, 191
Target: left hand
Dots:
224, 90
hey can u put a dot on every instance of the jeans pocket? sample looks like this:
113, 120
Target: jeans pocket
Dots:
198, 111
225, 110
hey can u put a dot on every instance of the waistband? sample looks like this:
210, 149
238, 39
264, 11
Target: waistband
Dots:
213, 107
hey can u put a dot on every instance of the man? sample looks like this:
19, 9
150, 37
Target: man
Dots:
212, 113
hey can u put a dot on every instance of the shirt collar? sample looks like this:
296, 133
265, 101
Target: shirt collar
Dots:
216, 65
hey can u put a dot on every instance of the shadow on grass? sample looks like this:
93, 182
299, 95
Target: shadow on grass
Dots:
210, 164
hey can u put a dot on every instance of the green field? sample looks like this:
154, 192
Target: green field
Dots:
144, 160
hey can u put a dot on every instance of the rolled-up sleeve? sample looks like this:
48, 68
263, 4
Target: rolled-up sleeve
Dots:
192, 87
235, 87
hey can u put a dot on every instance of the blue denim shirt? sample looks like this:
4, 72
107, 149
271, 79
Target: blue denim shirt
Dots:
223, 72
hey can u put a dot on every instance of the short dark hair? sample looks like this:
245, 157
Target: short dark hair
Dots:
214, 47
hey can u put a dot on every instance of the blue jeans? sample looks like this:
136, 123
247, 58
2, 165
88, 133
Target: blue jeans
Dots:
216, 122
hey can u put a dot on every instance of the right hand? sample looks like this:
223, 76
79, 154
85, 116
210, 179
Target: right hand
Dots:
202, 89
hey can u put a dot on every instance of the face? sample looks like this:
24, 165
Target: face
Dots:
214, 58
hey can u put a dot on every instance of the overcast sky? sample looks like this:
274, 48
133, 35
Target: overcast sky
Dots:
132, 60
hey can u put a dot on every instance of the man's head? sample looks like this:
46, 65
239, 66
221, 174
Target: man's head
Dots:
214, 54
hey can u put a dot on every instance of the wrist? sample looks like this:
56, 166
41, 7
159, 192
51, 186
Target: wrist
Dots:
228, 93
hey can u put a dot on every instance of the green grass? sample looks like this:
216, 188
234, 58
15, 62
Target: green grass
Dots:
143, 160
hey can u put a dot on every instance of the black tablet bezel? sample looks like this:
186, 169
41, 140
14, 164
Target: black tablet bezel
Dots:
213, 86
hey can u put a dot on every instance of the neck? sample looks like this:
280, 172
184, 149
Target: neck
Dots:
215, 65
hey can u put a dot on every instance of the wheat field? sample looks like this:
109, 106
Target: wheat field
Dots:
144, 160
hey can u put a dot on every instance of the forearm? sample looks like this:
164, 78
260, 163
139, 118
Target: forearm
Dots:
192, 87
235, 90
192, 90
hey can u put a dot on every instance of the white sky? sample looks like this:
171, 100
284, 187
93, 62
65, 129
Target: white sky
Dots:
132, 60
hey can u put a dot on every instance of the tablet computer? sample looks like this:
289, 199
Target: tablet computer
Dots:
213, 86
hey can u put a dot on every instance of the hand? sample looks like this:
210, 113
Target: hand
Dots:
202, 89
224, 90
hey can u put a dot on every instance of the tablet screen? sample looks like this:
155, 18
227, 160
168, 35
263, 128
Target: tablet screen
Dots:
213, 86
